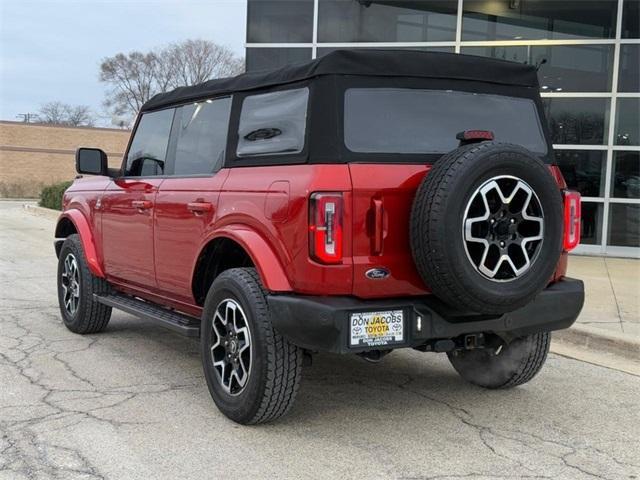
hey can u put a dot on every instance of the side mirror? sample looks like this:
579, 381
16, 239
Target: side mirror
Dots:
92, 161
146, 166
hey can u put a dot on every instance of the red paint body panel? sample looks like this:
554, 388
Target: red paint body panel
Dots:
557, 175
78, 205
269, 268
243, 201
128, 231
394, 186
145, 236
179, 230
87, 238
561, 269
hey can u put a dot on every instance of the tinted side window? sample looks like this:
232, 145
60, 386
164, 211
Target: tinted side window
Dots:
148, 152
273, 123
201, 132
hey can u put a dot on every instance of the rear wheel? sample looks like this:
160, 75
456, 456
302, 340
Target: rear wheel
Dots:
80, 312
505, 367
252, 372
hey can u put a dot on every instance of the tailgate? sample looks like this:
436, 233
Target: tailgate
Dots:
382, 199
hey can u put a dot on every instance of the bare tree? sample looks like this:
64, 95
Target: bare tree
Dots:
59, 113
133, 80
135, 77
79, 115
52, 112
196, 61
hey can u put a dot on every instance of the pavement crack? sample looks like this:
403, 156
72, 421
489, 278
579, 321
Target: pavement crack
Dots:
525, 439
615, 297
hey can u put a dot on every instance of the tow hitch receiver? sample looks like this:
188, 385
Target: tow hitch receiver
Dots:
473, 340
463, 342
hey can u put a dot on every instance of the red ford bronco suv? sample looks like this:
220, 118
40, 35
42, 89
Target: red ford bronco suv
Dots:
363, 202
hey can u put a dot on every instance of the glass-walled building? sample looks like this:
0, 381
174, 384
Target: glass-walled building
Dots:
588, 54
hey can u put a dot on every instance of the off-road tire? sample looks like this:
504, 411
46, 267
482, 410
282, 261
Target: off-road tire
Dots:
437, 243
276, 364
90, 316
516, 363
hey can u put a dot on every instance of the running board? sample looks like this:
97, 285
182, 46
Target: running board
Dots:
178, 322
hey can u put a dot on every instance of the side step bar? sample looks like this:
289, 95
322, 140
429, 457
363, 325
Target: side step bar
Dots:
178, 322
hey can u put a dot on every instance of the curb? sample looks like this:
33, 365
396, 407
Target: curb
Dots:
41, 211
597, 340
8, 199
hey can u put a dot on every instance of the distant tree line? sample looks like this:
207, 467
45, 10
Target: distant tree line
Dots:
135, 77
58, 113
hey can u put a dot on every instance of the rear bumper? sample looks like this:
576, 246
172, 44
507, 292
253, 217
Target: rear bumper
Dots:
322, 323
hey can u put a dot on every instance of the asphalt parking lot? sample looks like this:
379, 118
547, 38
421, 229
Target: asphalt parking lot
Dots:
131, 403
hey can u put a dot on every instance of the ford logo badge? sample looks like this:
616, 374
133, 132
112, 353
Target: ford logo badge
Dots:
377, 273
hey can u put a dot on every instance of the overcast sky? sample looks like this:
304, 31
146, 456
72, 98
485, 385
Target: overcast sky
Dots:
51, 49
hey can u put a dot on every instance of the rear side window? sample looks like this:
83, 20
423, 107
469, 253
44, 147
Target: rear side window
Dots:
273, 123
415, 121
148, 151
201, 136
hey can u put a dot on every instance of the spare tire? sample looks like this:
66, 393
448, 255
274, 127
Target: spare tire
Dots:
486, 227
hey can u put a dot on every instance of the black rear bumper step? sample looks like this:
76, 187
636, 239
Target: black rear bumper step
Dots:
178, 322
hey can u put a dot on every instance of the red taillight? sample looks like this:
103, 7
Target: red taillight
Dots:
325, 227
572, 219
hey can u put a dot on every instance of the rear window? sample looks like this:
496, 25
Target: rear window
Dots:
414, 121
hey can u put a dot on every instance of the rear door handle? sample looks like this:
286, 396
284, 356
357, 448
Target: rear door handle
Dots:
199, 207
378, 227
142, 204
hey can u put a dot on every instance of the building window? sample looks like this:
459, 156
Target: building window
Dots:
269, 58
535, 20
583, 170
624, 225
576, 80
373, 21
322, 51
572, 68
629, 77
625, 177
277, 21
578, 120
592, 214
631, 19
627, 121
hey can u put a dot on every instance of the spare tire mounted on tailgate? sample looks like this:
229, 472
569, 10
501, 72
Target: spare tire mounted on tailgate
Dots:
486, 227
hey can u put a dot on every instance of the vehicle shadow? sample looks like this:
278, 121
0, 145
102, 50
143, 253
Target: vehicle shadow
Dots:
406, 386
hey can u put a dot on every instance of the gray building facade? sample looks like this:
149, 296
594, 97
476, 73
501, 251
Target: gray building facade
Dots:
588, 52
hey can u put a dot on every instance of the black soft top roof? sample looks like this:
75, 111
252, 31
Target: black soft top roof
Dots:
366, 62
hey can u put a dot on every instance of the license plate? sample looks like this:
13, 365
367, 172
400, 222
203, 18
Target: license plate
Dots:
375, 329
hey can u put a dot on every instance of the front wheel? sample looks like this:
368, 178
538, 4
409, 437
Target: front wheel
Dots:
252, 371
505, 367
80, 311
